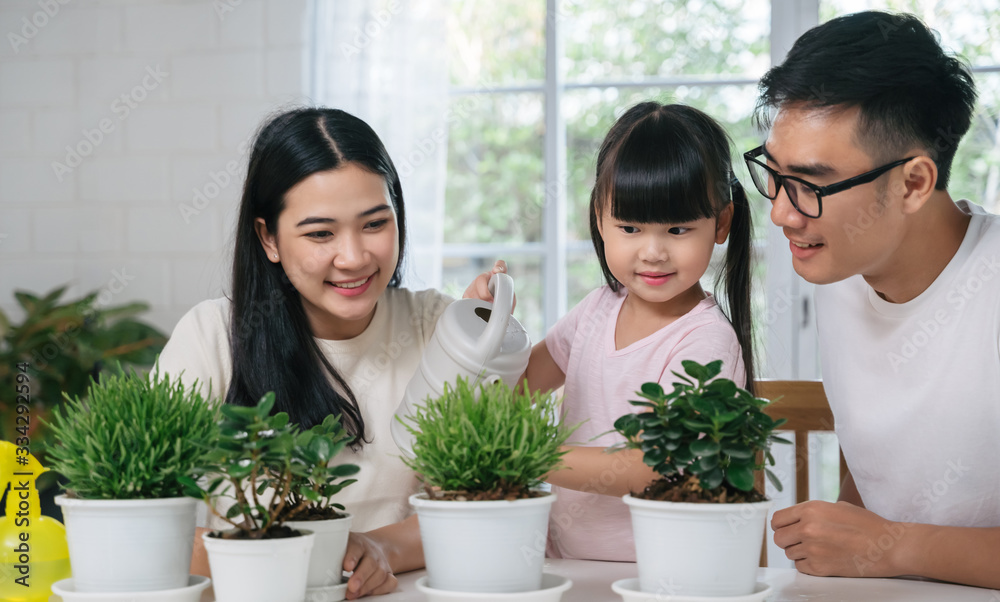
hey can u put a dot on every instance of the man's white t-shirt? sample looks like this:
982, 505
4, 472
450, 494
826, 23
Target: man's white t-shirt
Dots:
915, 387
377, 364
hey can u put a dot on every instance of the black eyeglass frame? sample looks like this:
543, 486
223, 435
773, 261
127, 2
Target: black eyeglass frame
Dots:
821, 191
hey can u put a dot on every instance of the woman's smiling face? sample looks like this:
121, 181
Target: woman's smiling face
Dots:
338, 242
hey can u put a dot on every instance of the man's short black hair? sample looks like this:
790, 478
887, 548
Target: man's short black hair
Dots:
891, 66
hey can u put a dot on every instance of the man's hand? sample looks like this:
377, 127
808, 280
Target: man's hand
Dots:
367, 557
839, 539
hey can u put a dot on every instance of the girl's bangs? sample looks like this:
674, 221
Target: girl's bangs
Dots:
659, 176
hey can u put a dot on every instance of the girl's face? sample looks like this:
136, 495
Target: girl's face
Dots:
662, 264
338, 241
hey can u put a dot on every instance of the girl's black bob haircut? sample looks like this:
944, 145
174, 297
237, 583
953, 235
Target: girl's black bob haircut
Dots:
662, 164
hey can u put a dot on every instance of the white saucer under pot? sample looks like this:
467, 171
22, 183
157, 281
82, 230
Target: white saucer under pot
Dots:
688, 549
196, 584
551, 590
629, 590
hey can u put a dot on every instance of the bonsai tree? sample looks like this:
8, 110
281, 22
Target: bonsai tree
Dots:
272, 471
136, 437
707, 438
485, 443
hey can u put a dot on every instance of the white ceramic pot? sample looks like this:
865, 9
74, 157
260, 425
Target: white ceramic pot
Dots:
327, 559
685, 549
259, 570
129, 545
491, 546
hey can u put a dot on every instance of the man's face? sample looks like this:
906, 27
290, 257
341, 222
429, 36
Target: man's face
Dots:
859, 229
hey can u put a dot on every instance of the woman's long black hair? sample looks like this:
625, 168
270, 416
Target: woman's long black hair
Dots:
671, 164
272, 342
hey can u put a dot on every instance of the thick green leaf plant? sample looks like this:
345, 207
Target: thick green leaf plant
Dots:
270, 471
707, 438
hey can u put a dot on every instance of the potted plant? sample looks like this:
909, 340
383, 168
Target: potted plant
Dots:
123, 453
311, 507
699, 528
270, 472
482, 453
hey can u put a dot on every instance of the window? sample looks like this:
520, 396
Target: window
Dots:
521, 163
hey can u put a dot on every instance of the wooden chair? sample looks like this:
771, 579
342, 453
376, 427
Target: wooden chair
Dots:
803, 403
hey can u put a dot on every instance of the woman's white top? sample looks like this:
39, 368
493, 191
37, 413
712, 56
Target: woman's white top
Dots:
377, 364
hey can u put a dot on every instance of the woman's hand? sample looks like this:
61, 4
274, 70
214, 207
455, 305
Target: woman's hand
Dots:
480, 287
367, 557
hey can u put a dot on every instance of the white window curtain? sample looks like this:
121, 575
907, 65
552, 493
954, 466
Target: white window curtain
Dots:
386, 62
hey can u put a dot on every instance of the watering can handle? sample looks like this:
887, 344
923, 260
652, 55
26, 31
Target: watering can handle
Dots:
502, 287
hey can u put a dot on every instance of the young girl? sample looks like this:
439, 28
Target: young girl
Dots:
317, 315
665, 195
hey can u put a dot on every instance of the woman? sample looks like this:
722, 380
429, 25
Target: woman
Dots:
318, 317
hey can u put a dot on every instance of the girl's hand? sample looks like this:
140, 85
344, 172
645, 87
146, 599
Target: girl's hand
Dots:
372, 572
480, 287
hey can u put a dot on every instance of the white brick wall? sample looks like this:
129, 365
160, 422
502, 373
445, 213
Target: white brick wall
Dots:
153, 99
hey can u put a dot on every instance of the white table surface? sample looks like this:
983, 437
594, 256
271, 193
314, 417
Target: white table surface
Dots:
592, 583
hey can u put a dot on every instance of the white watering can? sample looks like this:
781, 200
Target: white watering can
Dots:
473, 339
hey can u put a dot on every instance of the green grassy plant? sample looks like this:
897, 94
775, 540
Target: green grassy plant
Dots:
257, 452
707, 427
486, 439
134, 437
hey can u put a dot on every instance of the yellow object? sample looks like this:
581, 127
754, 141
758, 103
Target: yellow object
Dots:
33, 551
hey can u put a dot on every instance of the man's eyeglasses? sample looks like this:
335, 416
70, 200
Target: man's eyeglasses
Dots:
806, 197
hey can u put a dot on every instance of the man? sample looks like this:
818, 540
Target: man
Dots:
869, 113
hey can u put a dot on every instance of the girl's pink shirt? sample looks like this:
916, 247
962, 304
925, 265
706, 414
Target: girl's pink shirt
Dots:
600, 381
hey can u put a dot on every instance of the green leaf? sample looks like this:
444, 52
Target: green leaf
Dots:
713, 369
695, 370
712, 478
344, 470
722, 386
654, 457
628, 425
738, 452
708, 462
704, 447
265, 405
651, 389
774, 479
740, 477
